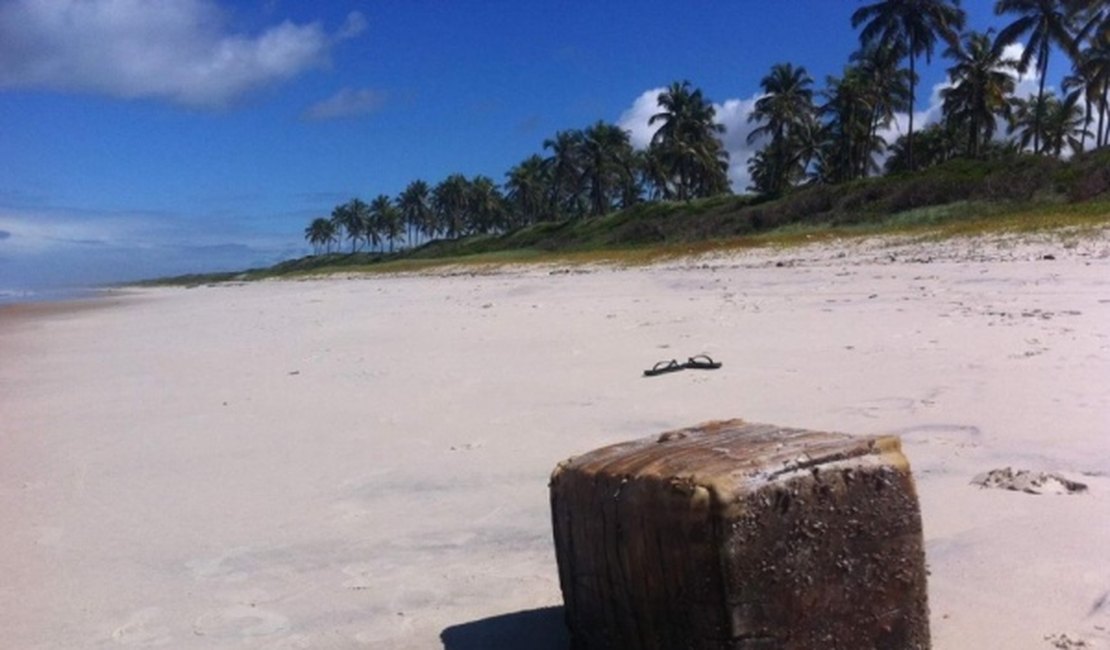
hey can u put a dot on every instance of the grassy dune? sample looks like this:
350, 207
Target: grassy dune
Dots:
959, 198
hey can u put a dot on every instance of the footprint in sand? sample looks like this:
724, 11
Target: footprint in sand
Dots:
140, 630
240, 621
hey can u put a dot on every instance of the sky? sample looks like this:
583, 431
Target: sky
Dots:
143, 138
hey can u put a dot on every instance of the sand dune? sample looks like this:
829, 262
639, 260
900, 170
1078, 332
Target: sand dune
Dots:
363, 462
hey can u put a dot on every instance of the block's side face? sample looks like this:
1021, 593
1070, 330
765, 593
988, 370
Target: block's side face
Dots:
828, 559
638, 562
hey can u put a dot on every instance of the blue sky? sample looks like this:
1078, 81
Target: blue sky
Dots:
142, 138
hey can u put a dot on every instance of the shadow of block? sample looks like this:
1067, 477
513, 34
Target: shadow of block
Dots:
534, 629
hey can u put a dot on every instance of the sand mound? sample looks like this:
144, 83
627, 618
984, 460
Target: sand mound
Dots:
1027, 481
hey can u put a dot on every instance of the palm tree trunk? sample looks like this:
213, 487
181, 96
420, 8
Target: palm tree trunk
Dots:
1102, 112
1087, 119
871, 134
1040, 98
913, 101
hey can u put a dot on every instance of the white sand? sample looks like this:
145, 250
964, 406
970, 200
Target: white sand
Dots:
363, 462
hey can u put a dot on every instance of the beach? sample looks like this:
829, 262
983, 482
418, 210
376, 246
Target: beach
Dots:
362, 460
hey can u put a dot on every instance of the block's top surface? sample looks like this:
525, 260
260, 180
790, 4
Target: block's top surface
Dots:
733, 457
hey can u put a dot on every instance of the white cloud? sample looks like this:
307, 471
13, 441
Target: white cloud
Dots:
348, 102
635, 118
173, 50
732, 113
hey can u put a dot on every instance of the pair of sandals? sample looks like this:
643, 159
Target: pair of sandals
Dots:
696, 362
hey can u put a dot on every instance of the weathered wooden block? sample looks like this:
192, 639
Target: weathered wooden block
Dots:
741, 536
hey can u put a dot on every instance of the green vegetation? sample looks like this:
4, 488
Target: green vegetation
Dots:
1023, 193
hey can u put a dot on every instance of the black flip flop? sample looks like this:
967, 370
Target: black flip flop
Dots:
664, 367
702, 362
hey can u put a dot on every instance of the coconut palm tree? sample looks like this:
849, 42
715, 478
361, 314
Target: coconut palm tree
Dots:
386, 218
360, 217
913, 27
449, 200
1048, 23
687, 143
1025, 120
416, 209
782, 113
1074, 86
849, 142
528, 187
1094, 68
1064, 125
351, 217
981, 85
1049, 122
564, 168
320, 234
485, 206
607, 166
887, 85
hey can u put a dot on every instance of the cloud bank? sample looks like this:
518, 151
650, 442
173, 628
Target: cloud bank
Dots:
179, 51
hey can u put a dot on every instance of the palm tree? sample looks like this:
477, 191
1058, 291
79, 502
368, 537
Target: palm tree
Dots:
416, 210
1064, 125
912, 26
528, 188
386, 218
565, 171
360, 217
784, 110
320, 233
1075, 85
1049, 122
350, 217
1047, 22
607, 165
849, 142
449, 200
687, 145
1094, 69
485, 206
887, 85
980, 89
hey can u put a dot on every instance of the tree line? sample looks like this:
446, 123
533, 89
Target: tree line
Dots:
832, 135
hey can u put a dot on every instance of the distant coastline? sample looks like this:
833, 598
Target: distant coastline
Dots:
54, 294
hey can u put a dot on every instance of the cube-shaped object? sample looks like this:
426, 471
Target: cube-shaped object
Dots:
741, 536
